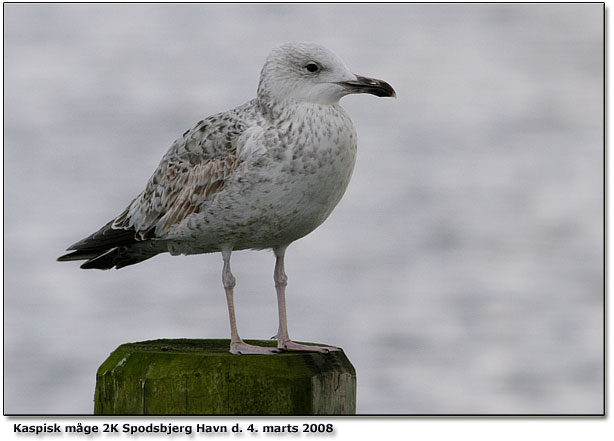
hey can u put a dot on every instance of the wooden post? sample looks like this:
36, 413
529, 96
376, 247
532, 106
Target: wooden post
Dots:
200, 377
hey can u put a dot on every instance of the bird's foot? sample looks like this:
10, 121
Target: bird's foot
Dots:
289, 345
243, 348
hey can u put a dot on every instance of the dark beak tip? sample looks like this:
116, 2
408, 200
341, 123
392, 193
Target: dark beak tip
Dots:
385, 91
388, 88
372, 86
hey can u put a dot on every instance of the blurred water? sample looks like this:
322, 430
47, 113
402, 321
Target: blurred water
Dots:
462, 271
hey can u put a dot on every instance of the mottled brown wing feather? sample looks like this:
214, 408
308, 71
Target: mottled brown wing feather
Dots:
190, 174
200, 185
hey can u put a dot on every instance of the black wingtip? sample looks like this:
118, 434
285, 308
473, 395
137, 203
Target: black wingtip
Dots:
78, 255
93, 265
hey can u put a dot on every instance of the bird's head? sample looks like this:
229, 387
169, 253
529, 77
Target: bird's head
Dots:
309, 72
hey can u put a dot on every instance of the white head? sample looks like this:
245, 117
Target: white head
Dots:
308, 72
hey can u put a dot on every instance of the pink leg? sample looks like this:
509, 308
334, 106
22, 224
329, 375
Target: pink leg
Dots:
237, 346
281, 281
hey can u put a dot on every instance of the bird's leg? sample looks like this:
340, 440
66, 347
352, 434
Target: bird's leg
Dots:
237, 346
281, 281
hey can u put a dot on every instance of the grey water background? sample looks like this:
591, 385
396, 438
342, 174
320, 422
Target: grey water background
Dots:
461, 273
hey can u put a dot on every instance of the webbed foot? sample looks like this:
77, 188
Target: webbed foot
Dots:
243, 348
289, 345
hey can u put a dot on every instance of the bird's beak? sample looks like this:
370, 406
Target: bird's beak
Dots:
369, 85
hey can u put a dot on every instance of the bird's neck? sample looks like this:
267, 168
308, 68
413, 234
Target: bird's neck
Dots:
276, 110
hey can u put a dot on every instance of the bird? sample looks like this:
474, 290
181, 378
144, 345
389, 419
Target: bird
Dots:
258, 176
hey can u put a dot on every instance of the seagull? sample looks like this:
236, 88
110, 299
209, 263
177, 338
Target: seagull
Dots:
258, 176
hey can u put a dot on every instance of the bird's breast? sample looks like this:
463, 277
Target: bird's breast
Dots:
309, 171
317, 156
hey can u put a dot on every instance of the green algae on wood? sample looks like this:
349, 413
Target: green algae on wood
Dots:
201, 377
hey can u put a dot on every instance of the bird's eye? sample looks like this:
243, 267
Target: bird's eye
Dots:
312, 67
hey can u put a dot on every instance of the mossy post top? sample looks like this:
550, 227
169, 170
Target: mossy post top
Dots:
200, 377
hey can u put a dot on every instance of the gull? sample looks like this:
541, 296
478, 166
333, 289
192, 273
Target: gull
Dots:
258, 176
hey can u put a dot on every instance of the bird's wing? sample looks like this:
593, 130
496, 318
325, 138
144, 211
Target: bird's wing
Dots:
195, 168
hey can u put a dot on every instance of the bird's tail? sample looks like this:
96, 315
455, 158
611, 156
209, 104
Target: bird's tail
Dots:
110, 247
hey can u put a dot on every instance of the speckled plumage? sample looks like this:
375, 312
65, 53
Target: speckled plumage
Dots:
261, 175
